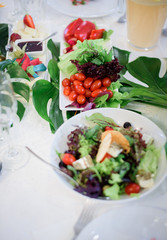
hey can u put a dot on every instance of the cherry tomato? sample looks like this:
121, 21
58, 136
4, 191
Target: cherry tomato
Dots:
107, 128
103, 89
68, 158
66, 82
88, 82
80, 76
87, 93
67, 90
111, 93
106, 82
72, 77
72, 87
76, 82
79, 89
72, 96
81, 99
132, 188
96, 92
95, 85
107, 155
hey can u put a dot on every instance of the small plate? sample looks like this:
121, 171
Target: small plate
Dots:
128, 223
92, 9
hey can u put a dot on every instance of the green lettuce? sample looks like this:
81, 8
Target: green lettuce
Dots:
149, 162
112, 192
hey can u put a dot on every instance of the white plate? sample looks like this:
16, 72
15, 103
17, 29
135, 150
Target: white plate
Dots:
128, 223
119, 116
95, 8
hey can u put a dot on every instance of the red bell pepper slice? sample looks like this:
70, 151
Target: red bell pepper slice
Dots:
26, 63
84, 30
97, 33
71, 28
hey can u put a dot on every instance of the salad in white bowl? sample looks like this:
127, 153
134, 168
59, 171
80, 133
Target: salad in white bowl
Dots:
112, 153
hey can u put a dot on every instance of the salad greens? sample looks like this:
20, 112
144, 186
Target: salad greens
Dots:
113, 174
93, 51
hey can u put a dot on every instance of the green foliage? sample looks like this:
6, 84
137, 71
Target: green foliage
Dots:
3, 38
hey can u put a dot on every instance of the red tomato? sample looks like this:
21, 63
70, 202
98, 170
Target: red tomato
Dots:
103, 89
107, 155
67, 91
88, 82
80, 76
111, 93
81, 99
132, 188
66, 82
107, 128
95, 85
88, 93
79, 89
96, 92
106, 82
72, 77
68, 158
76, 82
72, 96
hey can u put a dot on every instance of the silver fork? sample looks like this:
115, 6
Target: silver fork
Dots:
85, 217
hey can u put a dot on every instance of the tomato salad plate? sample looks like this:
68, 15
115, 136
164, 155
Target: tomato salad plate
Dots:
114, 154
88, 69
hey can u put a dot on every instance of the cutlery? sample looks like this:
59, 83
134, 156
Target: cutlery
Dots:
0, 166
51, 35
58, 170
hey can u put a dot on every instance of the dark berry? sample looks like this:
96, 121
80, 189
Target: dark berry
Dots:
127, 124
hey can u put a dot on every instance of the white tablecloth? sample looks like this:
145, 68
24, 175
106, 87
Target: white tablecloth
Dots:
34, 204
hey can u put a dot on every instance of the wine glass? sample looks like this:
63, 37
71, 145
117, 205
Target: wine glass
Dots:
12, 156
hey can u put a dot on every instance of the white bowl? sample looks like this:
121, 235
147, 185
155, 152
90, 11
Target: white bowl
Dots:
119, 116
128, 223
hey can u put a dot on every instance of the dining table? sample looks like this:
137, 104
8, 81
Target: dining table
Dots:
34, 202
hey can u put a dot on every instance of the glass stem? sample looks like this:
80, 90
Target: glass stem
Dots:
11, 150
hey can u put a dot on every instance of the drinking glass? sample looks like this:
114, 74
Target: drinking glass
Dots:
145, 20
12, 156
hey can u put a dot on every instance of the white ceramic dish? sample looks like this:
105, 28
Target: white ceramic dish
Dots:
33, 53
120, 116
94, 8
128, 223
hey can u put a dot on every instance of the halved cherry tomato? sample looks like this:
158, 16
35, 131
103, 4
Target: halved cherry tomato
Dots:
88, 93
95, 85
79, 89
132, 188
107, 155
96, 92
80, 76
68, 158
88, 82
72, 96
66, 82
67, 91
107, 128
81, 99
106, 82
76, 82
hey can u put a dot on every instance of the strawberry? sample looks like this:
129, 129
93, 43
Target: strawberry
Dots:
28, 21
14, 37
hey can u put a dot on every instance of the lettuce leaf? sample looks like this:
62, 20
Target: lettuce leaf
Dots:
149, 162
